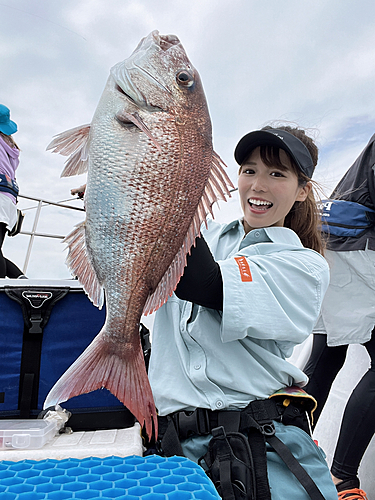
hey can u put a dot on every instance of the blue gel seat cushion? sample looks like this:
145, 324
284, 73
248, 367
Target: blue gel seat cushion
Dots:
129, 478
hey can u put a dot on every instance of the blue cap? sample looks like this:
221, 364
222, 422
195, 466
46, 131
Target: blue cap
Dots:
7, 127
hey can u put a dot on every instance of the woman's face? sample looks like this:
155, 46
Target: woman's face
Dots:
267, 194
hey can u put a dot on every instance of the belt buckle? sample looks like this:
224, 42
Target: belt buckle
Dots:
267, 429
192, 423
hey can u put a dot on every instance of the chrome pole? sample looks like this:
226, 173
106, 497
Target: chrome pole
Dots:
32, 236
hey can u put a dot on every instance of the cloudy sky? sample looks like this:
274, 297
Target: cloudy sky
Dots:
308, 62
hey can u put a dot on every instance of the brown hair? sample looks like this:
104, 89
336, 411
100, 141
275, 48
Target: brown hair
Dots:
303, 217
9, 140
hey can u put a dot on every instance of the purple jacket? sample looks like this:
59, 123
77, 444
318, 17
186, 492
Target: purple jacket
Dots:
9, 161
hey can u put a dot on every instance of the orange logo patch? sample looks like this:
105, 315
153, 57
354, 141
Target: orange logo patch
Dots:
244, 268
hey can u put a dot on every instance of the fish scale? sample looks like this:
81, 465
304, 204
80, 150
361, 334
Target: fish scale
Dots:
152, 179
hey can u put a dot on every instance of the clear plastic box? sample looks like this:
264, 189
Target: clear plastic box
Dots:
22, 434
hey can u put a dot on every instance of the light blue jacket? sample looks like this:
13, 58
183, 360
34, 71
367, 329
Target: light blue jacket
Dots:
273, 289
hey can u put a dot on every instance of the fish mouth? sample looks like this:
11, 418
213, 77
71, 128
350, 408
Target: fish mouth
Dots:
165, 41
123, 71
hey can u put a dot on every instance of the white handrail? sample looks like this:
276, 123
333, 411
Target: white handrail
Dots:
33, 233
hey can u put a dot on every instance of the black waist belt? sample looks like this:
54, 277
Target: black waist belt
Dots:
254, 421
201, 421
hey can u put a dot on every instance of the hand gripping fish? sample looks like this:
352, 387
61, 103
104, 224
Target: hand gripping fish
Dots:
152, 180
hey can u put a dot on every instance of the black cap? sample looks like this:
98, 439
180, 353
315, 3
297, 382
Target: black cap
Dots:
280, 138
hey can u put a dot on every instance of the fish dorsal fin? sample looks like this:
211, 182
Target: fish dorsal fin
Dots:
217, 188
72, 143
79, 263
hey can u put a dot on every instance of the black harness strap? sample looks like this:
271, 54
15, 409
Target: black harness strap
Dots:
255, 432
258, 449
224, 455
295, 467
36, 309
170, 443
25, 396
230, 420
225, 476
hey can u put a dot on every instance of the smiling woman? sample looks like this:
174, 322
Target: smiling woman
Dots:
218, 367
287, 157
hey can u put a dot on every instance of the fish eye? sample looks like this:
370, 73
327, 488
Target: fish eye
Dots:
185, 78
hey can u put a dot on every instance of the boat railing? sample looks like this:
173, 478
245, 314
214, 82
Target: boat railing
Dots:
33, 233
32, 223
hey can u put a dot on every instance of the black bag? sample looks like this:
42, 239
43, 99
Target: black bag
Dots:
18, 225
43, 329
232, 472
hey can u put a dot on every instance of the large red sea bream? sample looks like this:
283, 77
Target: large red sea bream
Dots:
152, 179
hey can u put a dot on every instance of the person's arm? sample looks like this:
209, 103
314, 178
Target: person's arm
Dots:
80, 191
201, 282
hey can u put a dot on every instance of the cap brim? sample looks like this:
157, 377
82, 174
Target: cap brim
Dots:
252, 140
297, 150
8, 128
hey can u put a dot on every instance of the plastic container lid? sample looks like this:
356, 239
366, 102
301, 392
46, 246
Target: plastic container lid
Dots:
21, 434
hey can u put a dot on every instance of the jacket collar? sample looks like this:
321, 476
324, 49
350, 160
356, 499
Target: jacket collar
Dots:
264, 235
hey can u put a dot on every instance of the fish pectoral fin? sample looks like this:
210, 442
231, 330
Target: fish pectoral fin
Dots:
72, 143
79, 263
171, 277
125, 377
124, 116
167, 284
217, 188
219, 183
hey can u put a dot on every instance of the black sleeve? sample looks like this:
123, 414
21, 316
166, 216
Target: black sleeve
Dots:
201, 282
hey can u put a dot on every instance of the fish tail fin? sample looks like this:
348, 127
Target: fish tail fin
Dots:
100, 366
